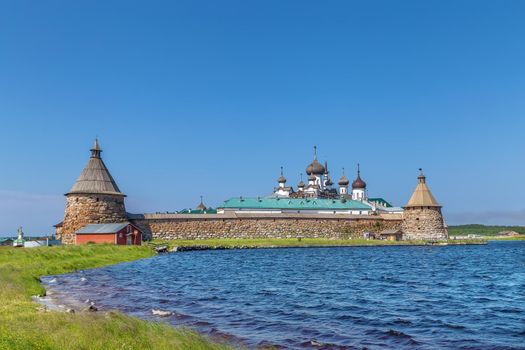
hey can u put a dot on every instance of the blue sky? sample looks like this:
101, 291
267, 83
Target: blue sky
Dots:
211, 98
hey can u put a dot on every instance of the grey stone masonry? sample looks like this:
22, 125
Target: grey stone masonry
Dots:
83, 209
424, 223
261, 227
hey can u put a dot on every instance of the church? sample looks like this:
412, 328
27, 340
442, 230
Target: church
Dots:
318, 196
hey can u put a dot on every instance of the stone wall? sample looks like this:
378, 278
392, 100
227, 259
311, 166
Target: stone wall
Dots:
424, 223
90, 209
199, 228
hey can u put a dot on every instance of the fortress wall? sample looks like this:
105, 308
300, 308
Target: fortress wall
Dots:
199, 228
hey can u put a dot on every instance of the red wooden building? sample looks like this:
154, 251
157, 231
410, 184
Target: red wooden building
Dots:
119, 234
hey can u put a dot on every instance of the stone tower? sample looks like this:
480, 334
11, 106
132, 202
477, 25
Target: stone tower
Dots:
422, 218
94, 198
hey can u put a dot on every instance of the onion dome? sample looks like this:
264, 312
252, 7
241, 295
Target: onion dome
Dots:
315, 167
301, 183
343, 181
201, 206
281, 178
358, 182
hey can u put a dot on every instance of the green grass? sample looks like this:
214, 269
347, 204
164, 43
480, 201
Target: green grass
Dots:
513, 238
24, 325
464, 230
289, 242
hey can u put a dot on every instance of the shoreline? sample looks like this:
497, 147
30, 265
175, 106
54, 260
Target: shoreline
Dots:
53, 301
207, 247
225, 338
30, 316
23, 315
164, 246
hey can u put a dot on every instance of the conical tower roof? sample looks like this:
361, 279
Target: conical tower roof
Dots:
422, 197
95, 178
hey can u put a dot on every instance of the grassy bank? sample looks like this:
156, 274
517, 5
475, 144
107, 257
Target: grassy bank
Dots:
23, 324
483, 230
498, 238
293, 242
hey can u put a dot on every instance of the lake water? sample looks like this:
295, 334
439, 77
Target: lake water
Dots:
453, 297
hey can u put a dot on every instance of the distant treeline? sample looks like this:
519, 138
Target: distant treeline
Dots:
475, 229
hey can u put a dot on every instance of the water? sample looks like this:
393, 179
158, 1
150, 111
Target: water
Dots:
454, 297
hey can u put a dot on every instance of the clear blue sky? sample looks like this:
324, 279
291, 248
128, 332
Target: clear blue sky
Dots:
211, 98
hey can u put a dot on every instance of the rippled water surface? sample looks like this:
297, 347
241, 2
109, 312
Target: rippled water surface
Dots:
455, 297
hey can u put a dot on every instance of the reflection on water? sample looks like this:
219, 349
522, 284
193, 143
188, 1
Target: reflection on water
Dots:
456, 297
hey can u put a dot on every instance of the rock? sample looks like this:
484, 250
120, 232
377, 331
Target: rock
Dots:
161, 249
42, 308
161, 313
71, 311
91, 308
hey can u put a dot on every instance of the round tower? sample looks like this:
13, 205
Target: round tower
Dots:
422, 218
94, 199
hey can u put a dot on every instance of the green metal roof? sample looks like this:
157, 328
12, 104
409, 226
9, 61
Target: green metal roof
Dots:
294, 204
197, 211
380, 200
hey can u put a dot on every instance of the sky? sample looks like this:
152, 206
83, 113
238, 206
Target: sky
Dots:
210, 98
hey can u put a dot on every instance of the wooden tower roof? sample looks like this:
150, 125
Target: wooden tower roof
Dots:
95, 178
422, 197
